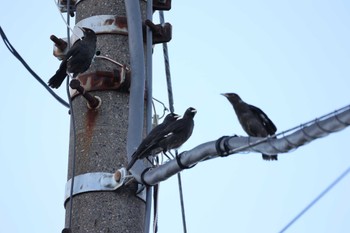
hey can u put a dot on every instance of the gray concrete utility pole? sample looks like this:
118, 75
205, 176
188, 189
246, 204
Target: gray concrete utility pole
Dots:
101, 135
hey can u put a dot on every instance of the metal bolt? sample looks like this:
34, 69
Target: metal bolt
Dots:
93, 101
60, 44
154, 28
117, 176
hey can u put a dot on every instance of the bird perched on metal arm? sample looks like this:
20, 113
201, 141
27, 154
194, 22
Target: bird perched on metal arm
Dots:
171, 136
253, 120
178, 132
141, 151
78, 58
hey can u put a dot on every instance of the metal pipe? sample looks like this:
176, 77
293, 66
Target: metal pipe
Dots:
149, 63
301, 135
137, 64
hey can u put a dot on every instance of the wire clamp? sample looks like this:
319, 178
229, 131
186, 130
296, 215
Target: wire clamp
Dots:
93, 102
95, 181
181, 165
226, 151
161, 5
162, 33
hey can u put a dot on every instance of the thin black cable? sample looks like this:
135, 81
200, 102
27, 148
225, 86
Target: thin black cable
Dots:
182, 202
167, 68
73, 126
324, 192
165, 109
18, 56
171, 106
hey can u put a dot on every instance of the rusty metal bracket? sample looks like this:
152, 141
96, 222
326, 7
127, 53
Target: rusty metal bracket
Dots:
101, 24
161, 5
93, 102
62, 5
110, 24
119, 79
95, 181
162, 33
60, 47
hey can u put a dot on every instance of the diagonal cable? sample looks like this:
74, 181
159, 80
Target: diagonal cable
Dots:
171, 106
313, 202
18, 56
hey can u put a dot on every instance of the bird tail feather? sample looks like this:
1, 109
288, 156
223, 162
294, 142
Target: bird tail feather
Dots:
269, 157
57, 79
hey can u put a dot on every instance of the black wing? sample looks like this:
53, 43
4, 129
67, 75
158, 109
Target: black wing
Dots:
269, 125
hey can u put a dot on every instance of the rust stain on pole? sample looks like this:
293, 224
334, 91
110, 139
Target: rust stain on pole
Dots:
90, 120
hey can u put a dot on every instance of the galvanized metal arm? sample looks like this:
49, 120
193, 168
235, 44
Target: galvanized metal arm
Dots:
288, 141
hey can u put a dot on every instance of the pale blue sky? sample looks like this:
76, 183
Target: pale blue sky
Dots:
290, 58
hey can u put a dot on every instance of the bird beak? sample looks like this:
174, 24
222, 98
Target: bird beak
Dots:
224, 94
194, 110
177, 116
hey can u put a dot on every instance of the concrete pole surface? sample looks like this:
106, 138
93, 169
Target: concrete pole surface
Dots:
101, 137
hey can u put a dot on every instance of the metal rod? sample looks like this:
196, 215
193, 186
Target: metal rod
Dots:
337, 122
137, 88
60, 44
93, 102
149, 193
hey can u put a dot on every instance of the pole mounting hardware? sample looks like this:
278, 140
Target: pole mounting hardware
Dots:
62, 5
60, 48
162, 33
161, 5
95, 181
93, 102
101, 24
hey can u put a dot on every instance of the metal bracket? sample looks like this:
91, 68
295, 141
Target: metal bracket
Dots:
118, 79
62, 4
110, 24
162, 5
162, 33
141, 192
101, 24
95, 181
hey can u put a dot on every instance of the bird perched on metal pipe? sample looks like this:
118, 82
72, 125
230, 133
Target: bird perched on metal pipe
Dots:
78, 58
141, 151
172, 136
253, 120
177, 133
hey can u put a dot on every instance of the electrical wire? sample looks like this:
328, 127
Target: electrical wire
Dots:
165, 109
73, 127
167, 68
18, 56
313, 202
182, 202
150, 191
171, 106
66, 22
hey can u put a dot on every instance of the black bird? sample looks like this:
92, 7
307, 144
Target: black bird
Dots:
78, 58
141, 151
172, 136
253, 120
178, 132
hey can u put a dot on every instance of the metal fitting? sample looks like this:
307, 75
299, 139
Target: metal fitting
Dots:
93, 101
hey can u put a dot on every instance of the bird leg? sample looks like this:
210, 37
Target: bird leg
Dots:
149, 160
164, 153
